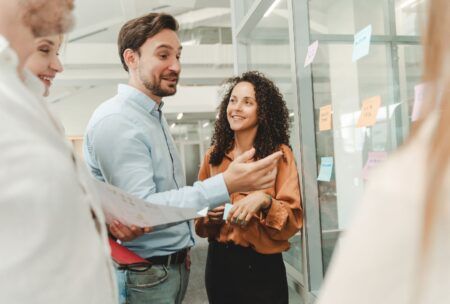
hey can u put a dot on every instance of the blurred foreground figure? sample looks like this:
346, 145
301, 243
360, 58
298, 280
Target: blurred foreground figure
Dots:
54, 247
397, 249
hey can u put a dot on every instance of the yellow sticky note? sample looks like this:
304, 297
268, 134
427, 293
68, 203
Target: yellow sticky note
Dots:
369, 112
325, 118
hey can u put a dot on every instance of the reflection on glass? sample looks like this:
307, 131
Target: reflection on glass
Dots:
345, 86
410, 60
347, 16
247, 5
409, 15
192, 162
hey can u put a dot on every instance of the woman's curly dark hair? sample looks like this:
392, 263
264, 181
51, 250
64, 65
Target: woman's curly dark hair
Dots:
272, 113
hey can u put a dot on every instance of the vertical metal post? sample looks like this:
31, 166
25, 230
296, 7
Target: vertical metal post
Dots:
239, 58
312, 236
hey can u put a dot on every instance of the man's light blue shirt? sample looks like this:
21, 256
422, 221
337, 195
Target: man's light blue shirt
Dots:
128, 144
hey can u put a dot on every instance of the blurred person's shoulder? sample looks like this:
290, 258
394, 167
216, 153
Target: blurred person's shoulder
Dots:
404, 173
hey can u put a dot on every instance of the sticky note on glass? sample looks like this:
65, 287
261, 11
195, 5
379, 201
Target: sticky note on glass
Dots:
369, 111
227, 209
326, 169
325, 118
419, 97
374, 158
361, 44
312, 51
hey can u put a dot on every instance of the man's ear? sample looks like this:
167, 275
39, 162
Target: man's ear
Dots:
131, 59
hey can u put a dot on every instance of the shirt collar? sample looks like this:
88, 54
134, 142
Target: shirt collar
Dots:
7, 54
142, 100
230, 155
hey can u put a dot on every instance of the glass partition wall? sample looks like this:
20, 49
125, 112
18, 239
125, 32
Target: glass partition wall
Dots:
349, 108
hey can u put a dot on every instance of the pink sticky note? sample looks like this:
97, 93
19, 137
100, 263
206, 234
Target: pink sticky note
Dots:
419, 93
312, 50
372, 161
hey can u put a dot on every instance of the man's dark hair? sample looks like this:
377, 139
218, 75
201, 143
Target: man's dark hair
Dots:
135, 32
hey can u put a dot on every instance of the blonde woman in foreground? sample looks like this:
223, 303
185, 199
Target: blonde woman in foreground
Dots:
397, 249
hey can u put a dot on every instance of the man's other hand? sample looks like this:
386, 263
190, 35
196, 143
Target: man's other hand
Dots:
126, 233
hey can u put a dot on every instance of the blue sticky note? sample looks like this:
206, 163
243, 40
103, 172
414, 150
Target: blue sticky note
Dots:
361, 45
326, 169
226, 210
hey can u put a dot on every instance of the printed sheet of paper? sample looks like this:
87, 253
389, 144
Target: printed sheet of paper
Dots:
129, 210
312, 51
419, 97
361, 44
325, 118
373, 160
369, 112
326, 169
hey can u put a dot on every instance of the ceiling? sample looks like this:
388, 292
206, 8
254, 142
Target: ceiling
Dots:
101, 20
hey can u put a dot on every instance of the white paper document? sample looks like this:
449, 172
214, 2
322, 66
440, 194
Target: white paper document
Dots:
130, 210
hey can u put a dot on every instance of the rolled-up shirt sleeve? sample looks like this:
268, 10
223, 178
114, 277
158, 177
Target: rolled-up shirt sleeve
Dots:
284, 218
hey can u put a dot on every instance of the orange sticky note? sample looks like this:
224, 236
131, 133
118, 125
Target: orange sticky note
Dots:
369, 112
325, 118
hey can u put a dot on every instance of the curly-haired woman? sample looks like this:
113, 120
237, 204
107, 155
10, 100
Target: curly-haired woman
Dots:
244, 263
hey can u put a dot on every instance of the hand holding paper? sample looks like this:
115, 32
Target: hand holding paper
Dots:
125, 233
127, 210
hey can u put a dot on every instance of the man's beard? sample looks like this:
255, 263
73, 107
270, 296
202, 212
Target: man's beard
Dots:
156, 88
48, 17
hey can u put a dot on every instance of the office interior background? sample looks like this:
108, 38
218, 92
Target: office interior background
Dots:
222, 38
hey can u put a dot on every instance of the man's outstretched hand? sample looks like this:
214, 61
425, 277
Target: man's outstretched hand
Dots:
242, 176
